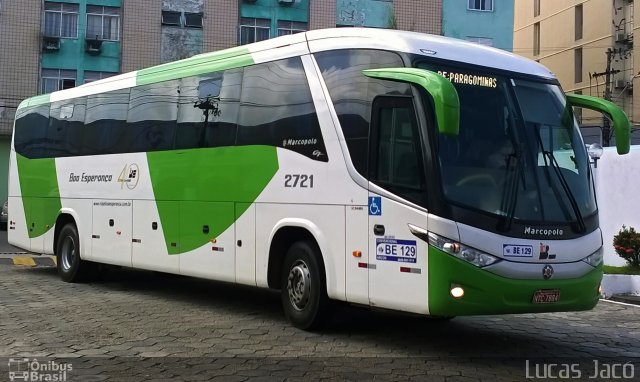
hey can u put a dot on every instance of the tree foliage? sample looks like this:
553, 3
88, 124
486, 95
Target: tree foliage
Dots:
627, 245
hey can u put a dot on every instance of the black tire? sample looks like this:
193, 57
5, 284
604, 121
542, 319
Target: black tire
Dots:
303, 288
71, 267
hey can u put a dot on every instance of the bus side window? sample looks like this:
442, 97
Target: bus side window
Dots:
66, 127
352, 93
152, 117
31, 126
276, 109
208, 109
395, 153
106, 122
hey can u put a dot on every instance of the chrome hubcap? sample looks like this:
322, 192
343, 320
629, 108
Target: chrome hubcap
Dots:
299, 285
68, 252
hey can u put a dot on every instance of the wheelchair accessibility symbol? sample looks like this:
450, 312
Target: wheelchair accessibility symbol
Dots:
375, 205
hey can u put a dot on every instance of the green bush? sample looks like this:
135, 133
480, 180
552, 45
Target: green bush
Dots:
627, 245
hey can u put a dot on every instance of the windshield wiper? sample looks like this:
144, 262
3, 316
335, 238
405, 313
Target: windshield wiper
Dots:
563, 182
510, 193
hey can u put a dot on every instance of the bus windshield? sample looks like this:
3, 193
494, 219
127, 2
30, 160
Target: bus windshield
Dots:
519, 154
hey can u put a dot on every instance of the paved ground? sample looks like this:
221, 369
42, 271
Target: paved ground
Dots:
7, 249
136, 325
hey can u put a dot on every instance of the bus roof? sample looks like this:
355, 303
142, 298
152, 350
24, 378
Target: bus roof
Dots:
435, 46
301, 43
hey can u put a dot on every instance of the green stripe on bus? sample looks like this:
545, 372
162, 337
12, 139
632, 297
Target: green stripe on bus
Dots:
196, 190
204, 63
35, 101
487, 293
40, 193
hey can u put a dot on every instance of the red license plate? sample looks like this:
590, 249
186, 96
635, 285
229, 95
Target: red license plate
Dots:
546, 296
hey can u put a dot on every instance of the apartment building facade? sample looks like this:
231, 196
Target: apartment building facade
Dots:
487, 22
589, 45
50, 45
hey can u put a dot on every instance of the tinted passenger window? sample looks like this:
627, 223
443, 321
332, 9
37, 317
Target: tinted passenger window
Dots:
30, 135
153, 112
106, 123
352, 93
276, 109
396, 155
66, 127
208, 109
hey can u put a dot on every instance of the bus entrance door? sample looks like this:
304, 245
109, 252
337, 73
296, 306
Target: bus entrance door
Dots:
397, 261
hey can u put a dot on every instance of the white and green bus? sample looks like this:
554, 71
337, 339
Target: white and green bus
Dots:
391, 169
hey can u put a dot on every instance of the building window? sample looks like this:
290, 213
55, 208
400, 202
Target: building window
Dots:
192, 20
60, 20
481, 5
291, 27
103, 23
171, 18
57, 79
252, 30
536, 39
487, 41
174, 18
578, 65
578, 23
536, 8
90, 76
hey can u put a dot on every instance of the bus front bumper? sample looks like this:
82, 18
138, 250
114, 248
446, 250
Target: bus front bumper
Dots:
487, 293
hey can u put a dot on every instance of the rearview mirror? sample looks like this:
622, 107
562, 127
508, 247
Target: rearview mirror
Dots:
444, 94
621, 124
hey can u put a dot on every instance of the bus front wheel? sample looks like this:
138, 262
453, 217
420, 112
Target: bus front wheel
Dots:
303, 291
71, 267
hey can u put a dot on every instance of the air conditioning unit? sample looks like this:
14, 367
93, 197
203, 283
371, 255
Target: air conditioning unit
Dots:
93, 46
621, 37
50, 43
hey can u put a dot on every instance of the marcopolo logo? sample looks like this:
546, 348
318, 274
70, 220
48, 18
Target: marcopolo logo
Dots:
543, 231
299, 142
25, 369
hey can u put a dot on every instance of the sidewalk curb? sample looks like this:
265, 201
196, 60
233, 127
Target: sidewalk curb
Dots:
627, 299
29, 261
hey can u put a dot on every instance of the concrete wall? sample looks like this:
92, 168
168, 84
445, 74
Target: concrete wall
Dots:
459, 22
419, 16
365, 13
617, 190
322, 14
19, 59
179, 42
141, 34
220, 29
19, 69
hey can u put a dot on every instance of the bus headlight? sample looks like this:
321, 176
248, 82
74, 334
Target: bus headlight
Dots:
595, 258
461, 251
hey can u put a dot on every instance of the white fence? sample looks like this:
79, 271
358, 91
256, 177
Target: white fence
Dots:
617, 180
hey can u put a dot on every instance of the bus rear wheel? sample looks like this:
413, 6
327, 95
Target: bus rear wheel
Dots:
303, 288
71, 267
